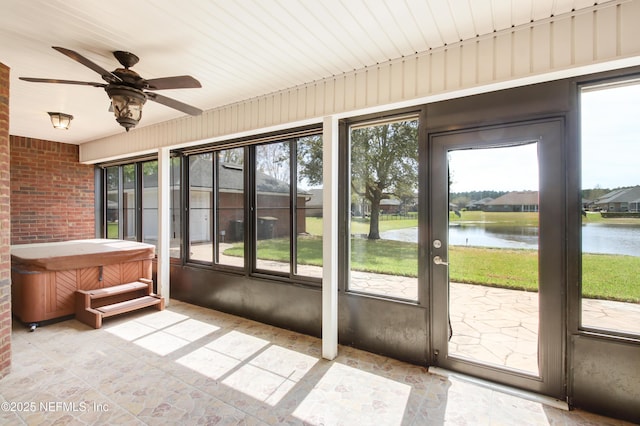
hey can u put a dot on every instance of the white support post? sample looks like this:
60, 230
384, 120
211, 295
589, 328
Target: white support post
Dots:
164, 214
330, 238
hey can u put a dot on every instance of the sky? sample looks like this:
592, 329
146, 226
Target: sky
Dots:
610, 131
500, 169
611, 137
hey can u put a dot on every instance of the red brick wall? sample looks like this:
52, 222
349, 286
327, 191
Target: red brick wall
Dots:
52, 195
5, 228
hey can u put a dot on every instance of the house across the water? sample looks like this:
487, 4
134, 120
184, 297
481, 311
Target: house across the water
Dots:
517, 201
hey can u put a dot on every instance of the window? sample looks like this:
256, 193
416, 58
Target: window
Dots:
230, 197
112, 180
216, 184
175, 209
309, 207
284, 213
200, 207
258, 206
610, 148
273, 206
150, 202
288, 214
131, 201
384, 208
284, 216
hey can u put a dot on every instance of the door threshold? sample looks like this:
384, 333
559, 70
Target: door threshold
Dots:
530, 396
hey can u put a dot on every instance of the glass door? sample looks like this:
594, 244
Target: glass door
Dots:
496, 248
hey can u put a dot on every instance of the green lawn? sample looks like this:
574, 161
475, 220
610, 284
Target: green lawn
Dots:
517, 269
374, 256
594, 217
613, 277
361, 226
604, 276
112, 230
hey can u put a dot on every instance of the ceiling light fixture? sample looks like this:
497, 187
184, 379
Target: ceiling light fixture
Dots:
60, 120
126, 103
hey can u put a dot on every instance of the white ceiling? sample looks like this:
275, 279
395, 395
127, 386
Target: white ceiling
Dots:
237, 49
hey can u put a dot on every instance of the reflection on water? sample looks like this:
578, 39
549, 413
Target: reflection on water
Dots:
596, 237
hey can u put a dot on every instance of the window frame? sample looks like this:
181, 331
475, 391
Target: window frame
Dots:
580, 87
293, 209
250, 204
186, 187
345, 253
138, 187
105, 200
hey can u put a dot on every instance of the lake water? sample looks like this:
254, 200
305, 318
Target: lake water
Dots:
596, 238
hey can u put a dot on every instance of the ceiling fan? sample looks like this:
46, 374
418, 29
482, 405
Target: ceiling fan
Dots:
126, 89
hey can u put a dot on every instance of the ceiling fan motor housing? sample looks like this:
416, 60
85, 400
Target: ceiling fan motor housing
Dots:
130, 78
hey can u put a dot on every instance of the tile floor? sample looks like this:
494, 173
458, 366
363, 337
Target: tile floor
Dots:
190, 365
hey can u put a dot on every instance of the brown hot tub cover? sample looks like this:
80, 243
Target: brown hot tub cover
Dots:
77, 254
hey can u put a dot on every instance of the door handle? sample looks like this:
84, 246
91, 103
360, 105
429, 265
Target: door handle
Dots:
438, 261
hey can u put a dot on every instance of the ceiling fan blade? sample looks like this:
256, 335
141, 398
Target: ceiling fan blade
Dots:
106, 75
53, 80
177, 82
172, 103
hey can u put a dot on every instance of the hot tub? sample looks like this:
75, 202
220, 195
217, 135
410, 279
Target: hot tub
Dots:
45, 276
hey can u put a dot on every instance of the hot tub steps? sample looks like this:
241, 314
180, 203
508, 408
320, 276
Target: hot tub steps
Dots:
94, 305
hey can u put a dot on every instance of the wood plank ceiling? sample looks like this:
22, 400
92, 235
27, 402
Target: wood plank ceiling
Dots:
236, 49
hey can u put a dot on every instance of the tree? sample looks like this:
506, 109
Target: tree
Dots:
594, 193
232, 156
273, 160
309, 157
384, 163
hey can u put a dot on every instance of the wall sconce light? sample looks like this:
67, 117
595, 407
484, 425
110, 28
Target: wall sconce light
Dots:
60, 120
126, 103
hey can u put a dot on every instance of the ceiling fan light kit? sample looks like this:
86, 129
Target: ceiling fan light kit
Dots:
126, 88
60, 120
127, 104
